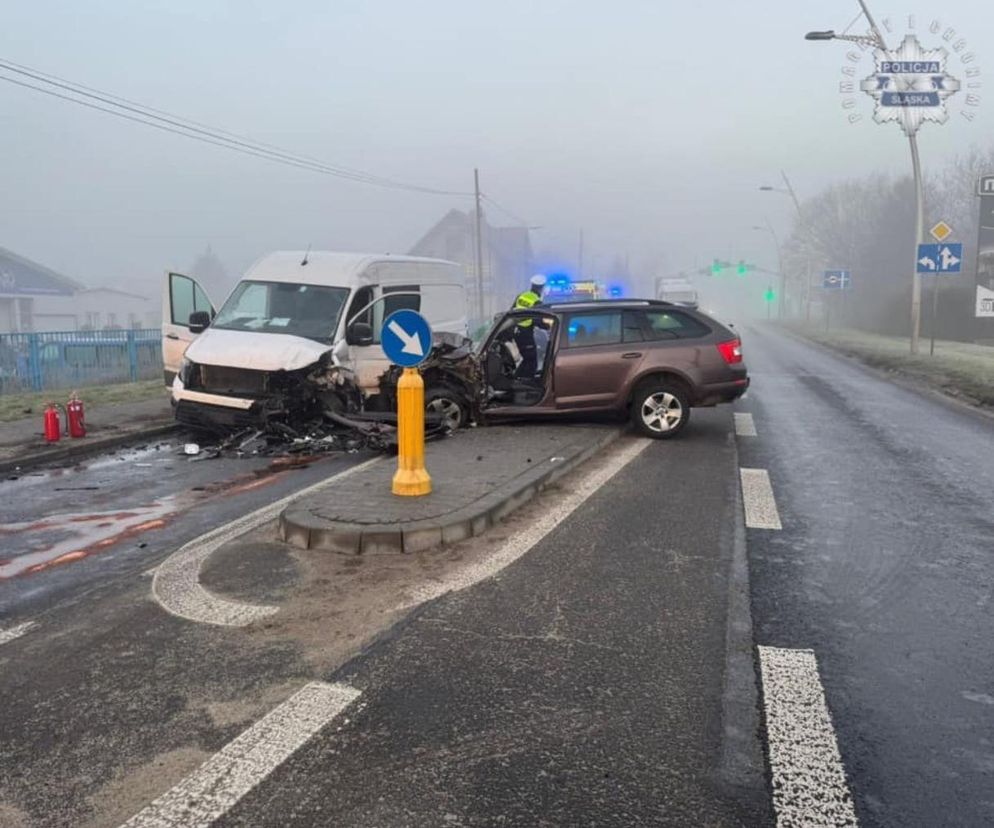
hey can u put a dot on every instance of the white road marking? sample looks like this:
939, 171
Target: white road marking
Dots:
745, 426
525, 538
176, 582
757, 497
16, 631
809, 781
211, 790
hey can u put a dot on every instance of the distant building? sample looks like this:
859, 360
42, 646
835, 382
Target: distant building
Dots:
507, 258
36, 298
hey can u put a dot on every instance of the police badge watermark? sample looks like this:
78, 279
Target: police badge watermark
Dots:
912, 84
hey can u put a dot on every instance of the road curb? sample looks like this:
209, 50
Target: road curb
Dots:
300, 528
86, 448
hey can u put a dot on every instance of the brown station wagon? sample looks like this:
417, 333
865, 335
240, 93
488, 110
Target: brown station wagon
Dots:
655, 360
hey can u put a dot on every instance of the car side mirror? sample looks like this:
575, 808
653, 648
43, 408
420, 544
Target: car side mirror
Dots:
359, 333
199, 320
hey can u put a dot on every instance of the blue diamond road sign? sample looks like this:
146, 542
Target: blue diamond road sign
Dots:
406, 338
936, 259
836, 280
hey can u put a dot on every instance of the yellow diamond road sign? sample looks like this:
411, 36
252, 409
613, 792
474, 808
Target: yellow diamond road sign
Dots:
941, 231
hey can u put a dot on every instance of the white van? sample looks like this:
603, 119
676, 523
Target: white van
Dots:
295, 311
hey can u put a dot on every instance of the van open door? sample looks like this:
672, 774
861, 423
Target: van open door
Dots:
181, 296
371, 305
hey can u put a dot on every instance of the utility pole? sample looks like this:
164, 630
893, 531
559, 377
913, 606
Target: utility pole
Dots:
579, 258
479, 248
876, 40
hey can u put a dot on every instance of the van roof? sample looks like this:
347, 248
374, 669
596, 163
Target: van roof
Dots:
324, 266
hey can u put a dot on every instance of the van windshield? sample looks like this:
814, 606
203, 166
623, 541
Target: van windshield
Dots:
311, 311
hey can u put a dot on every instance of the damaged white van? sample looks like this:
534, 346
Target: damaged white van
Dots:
300, 332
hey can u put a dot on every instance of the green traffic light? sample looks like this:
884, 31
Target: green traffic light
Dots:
716, 267
742, 268
770, 295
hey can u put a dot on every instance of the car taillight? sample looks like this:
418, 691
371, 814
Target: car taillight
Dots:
731, 351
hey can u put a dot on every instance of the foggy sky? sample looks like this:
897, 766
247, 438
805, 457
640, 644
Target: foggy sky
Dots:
650, 124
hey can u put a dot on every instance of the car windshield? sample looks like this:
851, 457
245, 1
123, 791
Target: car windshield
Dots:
311, 311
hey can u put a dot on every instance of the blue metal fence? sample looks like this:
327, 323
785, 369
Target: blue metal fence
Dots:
61, 359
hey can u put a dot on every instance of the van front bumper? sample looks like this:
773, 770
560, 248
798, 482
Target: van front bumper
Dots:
201, 410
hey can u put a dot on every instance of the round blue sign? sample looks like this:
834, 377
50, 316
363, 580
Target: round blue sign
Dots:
406, 338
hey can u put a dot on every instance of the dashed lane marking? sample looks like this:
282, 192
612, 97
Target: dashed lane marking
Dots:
211, 790
757, 497
745, 426
9, 634
176, 582
809, 781
524, 539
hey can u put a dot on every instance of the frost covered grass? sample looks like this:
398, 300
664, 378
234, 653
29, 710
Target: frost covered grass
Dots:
18, 405
959, 369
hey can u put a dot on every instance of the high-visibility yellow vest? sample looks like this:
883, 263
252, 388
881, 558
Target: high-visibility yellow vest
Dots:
526, 300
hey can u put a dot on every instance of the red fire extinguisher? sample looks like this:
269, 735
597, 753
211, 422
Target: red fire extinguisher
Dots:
53, 429
74, 414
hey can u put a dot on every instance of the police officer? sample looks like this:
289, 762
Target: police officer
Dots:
524, 331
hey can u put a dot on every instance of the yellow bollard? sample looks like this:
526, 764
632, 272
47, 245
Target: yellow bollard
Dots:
412, 477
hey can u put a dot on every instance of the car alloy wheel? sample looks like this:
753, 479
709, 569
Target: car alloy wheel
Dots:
661, 412
447, 410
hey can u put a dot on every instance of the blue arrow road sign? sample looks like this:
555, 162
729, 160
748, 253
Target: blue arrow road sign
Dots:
836, 280
940, 258
406, 338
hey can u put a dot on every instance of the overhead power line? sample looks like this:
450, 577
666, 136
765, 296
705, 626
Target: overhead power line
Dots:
504, 210
168, 122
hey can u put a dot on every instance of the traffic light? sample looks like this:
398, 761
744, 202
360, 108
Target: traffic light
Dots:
716, 268
770, 295
743, 268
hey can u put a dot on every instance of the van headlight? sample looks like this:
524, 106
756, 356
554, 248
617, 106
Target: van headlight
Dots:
189, 372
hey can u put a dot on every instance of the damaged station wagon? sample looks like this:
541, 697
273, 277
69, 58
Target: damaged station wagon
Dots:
650, 360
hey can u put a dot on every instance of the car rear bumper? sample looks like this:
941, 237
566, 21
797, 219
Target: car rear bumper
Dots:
721, 392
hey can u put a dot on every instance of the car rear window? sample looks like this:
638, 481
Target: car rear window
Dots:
670, 324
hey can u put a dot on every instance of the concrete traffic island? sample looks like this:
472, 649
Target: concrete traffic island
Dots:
479, 476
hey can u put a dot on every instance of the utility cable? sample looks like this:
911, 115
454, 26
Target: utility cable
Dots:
178, 125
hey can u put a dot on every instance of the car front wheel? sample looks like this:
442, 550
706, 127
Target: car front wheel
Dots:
448, 406
660, 410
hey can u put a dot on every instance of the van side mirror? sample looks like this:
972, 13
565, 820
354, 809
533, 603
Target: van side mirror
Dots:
199, 320
359, 333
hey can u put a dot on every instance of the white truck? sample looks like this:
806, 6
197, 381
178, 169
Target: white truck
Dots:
676, 289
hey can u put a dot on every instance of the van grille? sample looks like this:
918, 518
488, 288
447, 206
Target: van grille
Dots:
238, 381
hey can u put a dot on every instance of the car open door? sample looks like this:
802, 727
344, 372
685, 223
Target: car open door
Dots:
181, 296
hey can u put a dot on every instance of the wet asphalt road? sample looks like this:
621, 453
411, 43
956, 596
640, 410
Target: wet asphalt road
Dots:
75, 530
582, 686
587, 679
885, 569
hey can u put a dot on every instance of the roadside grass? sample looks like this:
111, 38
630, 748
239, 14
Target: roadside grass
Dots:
18, 405
959, 369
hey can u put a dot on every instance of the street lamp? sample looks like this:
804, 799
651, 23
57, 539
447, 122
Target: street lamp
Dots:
789, 191
783, 277
876, 41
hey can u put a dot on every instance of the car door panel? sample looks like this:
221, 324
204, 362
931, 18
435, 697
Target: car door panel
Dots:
589, 376
181, 295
